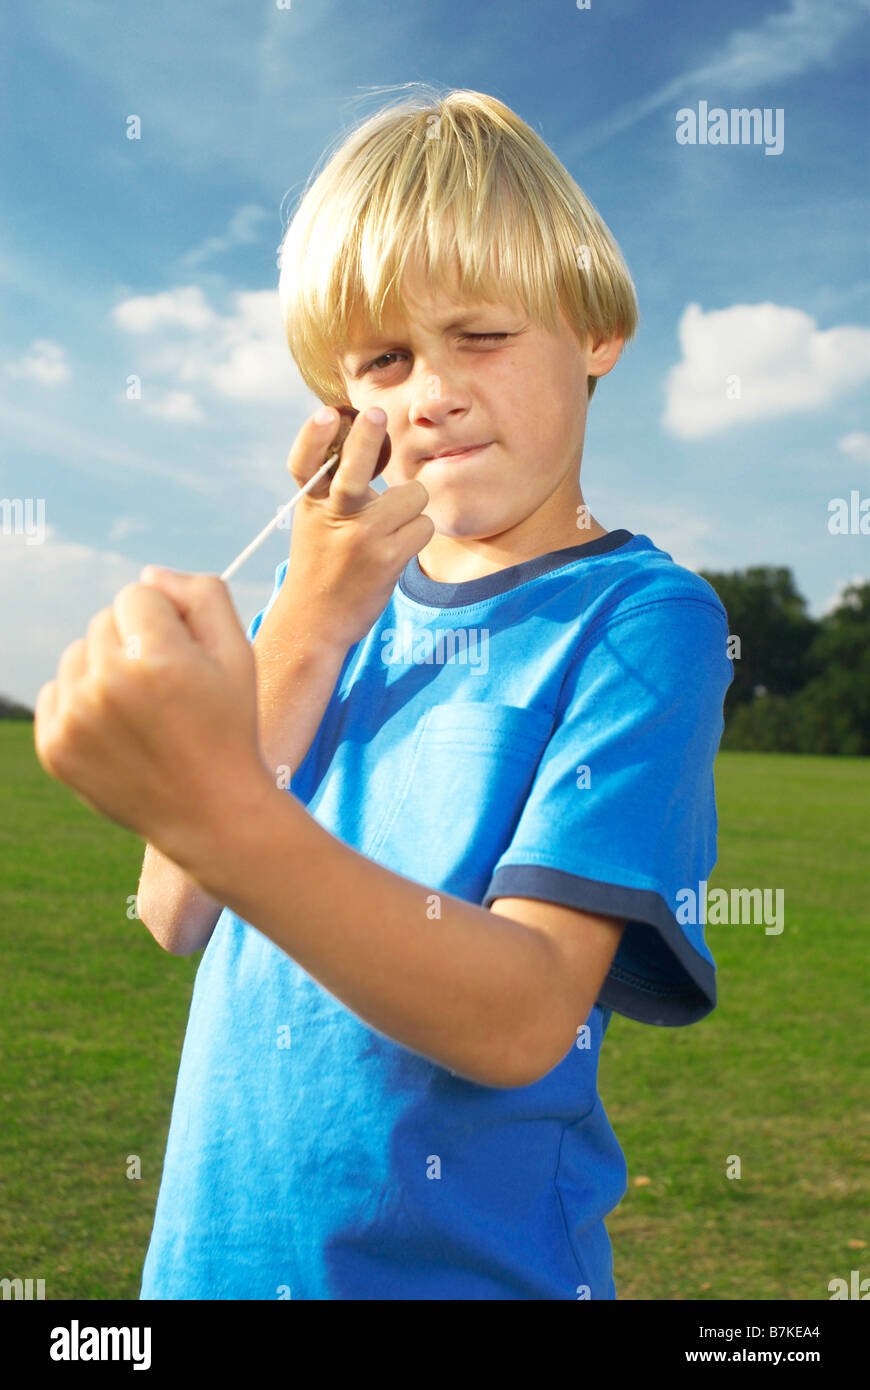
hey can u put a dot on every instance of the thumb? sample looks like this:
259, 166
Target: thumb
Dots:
155, 574
204, 603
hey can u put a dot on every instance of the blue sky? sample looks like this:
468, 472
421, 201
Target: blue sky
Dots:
157, 257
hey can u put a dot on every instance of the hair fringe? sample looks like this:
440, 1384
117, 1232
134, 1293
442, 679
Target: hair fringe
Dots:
457, 178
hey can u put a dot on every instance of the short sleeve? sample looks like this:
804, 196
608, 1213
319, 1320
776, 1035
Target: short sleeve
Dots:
621, 815
254, 625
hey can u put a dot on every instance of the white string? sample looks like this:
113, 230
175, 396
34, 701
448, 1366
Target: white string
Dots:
284, 511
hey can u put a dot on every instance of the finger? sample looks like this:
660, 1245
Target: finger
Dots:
173, 608
148, 622
71, 668
414, 535
44, 718
311, 448
351, 490
401, 504
103, 639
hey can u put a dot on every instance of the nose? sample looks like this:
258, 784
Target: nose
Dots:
436, 393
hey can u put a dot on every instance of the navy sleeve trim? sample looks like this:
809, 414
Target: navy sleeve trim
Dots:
677, 986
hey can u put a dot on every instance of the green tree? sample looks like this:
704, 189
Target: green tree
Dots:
768, 724
769, 616
10, 709
832, 711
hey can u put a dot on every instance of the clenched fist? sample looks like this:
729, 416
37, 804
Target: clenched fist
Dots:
152, 717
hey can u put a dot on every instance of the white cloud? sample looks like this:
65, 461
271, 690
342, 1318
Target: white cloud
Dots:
758, 362
44, 362
856, 445
242, 355
783, 44
185, 308
257, 365
242, 229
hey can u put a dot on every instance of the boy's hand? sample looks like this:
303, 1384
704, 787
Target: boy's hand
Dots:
349, 543
152, 718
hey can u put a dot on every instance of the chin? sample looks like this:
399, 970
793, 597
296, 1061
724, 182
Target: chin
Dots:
465, 525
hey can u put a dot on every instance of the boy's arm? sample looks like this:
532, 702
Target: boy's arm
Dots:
297, 670
494, 999
167, 744
176, 911
495, 994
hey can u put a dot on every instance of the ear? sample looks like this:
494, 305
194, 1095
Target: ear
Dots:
603, 355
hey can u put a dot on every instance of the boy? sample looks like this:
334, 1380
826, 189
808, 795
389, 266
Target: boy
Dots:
501, 766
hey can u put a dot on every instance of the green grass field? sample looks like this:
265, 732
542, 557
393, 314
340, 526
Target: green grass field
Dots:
93, 1017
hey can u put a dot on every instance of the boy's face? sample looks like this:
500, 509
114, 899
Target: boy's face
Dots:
520, 396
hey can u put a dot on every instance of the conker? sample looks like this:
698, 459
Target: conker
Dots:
348, 415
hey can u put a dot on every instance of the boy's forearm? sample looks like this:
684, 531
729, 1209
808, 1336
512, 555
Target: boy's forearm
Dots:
179, 914
298, 665
297, 669
469, 989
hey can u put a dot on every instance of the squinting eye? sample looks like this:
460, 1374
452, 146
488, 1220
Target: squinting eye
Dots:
467, 337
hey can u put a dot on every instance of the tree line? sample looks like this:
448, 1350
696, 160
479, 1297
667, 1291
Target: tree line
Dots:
801, 684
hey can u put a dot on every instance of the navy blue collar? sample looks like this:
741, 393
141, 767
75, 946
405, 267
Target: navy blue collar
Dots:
437, 593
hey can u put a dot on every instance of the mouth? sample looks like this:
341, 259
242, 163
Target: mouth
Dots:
456, 455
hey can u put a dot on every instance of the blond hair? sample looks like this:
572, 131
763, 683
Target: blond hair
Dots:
455, 177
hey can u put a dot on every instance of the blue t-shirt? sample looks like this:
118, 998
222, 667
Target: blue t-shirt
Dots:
548, 731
